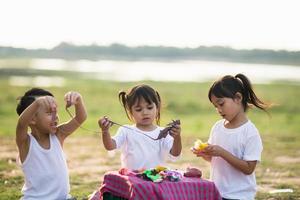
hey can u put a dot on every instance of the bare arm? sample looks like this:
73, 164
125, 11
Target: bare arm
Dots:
65, 129
177, 146
247, 167
108, 142
27, 117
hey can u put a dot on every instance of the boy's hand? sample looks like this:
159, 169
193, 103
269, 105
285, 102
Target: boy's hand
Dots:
72, 98
48, 103
65, 129
104, 124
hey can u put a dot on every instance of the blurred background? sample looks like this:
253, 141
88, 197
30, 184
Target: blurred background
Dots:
179, 47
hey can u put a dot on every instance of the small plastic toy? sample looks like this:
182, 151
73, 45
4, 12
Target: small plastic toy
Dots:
199, 145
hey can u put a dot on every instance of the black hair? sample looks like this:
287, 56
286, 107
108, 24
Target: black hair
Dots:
135, 94
229, 85
29, 97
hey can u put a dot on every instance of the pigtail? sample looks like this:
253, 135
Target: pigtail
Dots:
249, 97
158, 108
123, 100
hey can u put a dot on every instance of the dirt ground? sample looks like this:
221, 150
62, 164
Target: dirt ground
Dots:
88, 160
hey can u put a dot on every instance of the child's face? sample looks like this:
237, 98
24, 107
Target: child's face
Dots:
227, 108
143, 113
46, 121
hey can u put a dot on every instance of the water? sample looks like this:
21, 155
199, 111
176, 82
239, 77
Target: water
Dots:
183, 71
37, 81
196, 71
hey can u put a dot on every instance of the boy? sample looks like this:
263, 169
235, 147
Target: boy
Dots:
41, 154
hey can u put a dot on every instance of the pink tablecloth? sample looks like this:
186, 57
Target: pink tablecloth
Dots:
132, 187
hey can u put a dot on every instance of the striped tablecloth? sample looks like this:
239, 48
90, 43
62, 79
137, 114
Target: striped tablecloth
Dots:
132, 187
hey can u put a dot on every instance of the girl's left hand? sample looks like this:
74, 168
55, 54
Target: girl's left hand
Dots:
72, 98
175, 131
213, 150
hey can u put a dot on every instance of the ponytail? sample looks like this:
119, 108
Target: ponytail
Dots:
228, 86
249, 96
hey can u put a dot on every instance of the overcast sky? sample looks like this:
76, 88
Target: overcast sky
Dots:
238, 24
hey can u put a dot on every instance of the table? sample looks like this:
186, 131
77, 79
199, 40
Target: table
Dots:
135, 188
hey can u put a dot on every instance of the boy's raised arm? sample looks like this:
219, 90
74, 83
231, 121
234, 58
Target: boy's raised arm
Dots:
24, 121
26, 118
65, 129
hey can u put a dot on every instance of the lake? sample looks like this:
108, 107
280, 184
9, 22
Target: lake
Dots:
181, 71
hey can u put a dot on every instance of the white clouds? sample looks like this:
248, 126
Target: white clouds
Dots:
241, 24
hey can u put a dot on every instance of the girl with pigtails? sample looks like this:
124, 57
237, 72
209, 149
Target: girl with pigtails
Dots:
142, 105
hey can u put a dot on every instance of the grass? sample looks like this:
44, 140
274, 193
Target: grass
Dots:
185, 101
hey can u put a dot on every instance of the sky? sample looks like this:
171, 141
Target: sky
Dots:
248, 24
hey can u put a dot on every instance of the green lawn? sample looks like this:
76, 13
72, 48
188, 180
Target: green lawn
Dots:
185, 101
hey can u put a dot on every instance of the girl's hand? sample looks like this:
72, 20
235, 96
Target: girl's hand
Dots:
200, 153
72, 98
104, 124
175, 131
213, 150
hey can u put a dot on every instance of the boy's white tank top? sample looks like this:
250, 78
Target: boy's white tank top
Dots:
45, 171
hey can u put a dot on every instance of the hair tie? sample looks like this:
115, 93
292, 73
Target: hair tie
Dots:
239, 79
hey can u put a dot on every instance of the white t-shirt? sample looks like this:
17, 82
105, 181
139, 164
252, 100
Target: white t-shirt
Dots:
244, 143
45, 171
138, 151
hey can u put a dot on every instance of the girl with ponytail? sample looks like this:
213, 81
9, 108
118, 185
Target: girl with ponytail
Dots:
235, 145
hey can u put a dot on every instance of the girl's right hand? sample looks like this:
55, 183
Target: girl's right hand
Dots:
198, 153
104, 124
201, 153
